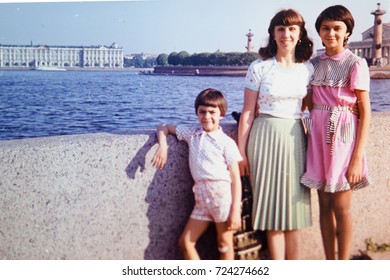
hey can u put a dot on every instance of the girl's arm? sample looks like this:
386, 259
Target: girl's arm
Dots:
307, 101
244, 127
160, 157
234, 220
354, 173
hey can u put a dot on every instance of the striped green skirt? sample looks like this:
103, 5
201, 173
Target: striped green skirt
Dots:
277, 155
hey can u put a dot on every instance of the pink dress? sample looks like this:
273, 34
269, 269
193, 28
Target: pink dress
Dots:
333, 122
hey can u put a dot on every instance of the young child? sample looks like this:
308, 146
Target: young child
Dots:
213, 160
340, 119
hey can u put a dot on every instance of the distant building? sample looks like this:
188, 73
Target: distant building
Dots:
30, 56
364, 48
375, 44
249, 43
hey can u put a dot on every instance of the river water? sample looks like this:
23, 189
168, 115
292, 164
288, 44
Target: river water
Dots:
45, 103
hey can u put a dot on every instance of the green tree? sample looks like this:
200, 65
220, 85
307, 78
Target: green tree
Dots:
205, 59
217, 59
128, 62
233, 58
162, 59
201, 59
181, 56
149, 62
173, 59
249, 57
189, 60
138, 61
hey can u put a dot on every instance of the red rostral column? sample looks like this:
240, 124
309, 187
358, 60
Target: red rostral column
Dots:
377, 41
249, 46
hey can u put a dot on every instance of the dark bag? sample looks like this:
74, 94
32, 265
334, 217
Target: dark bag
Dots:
248, 243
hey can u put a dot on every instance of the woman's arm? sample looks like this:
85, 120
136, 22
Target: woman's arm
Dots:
244, 127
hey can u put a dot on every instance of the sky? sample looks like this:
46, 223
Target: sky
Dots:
164, 26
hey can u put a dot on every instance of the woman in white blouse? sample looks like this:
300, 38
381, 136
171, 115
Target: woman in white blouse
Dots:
272, 140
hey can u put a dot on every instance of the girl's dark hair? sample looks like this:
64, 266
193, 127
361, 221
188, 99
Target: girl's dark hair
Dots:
304, 48
337, 13
211, 97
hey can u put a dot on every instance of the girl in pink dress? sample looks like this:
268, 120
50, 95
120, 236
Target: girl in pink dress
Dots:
338, 130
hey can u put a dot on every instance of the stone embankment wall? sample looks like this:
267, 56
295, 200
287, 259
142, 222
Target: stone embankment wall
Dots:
201, 70
238, 71
97, 196
380, 72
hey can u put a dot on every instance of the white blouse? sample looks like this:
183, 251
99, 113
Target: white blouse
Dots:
281, 90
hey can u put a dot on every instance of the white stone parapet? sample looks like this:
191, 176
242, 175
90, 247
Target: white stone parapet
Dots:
96, 196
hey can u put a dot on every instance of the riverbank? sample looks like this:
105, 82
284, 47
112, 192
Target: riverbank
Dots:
131, 69
377, 72
235, 71
230, 71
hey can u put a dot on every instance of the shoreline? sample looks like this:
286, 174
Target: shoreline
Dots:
128, 69
231, 71
376, 72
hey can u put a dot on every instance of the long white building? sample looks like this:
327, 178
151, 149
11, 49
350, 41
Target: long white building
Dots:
30, 56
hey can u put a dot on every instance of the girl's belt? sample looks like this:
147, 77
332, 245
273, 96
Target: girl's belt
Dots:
334, 116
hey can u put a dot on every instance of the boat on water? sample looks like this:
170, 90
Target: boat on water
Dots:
48, 68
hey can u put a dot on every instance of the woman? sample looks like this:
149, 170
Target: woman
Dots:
272, 141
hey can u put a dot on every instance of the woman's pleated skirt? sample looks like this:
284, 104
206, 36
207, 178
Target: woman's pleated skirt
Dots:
277, 154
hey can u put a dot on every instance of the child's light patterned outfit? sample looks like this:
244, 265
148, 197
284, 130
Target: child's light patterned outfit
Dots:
210, 154
332, 128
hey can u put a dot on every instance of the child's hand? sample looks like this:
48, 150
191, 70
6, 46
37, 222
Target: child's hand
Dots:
160, 157
234, 220
354, 172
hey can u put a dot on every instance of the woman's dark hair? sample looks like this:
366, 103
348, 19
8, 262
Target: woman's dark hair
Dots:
337, 13
211, 97
304, 48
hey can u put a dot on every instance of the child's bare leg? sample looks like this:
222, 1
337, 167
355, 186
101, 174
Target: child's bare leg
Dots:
192, 231
225, 241
342, 210
327, 224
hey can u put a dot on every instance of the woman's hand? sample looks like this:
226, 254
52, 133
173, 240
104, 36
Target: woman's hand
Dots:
244, 167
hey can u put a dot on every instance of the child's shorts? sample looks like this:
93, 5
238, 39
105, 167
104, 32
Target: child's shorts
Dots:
213, 201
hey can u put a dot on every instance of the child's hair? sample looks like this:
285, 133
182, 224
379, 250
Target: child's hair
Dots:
211, 97
304, 48
337, 13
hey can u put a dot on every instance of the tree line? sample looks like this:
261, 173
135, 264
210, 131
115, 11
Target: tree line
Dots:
198, 59
206, 59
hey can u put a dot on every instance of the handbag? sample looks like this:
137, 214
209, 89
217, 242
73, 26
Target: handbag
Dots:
248, 243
